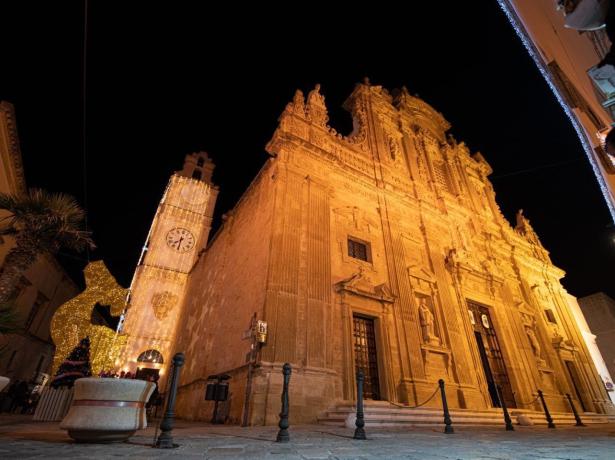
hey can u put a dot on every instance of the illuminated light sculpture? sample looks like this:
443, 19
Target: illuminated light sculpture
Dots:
72, 320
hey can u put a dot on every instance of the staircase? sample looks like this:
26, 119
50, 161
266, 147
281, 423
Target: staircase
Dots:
385, 414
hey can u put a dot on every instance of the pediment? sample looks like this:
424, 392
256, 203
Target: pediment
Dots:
422, 272
360, 284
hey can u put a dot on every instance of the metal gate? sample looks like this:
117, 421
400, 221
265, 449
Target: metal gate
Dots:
491, 355
365, 355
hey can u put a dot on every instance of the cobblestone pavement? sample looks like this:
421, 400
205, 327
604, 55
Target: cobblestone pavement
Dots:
22, 438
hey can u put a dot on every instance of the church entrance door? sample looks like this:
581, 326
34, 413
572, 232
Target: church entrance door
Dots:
491, 356
365, 355
572, 371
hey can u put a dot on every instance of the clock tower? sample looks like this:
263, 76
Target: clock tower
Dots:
177, 236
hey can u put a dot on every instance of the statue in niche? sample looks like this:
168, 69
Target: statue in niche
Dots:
535, 344
427, 322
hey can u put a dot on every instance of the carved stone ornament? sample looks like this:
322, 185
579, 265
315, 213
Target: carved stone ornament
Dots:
162, 303
540, 293
394, 149
360, 284
316, 108
472, 319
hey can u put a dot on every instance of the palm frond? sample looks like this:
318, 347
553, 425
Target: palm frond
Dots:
46, 220
7, 201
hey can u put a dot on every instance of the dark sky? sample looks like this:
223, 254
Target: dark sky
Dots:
169, 78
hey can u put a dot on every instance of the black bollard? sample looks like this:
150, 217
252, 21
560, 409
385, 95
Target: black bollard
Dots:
507, 420
283, 433
550, 423
574, 411
448, 423
165, 440
359, 432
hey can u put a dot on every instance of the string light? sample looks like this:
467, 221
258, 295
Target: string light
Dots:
529, 46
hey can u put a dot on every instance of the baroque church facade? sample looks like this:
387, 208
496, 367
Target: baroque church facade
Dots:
383, 250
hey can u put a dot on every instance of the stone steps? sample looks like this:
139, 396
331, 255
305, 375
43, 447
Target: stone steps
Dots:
385, 414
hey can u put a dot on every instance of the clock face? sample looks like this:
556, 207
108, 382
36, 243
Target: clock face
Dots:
180, 239
193, 194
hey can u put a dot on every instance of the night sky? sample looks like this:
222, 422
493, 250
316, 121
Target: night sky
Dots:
168, 78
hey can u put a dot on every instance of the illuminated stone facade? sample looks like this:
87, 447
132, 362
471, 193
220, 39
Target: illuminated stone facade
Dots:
177, 237
383, 249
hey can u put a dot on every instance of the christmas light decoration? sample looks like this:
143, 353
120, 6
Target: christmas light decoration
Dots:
72, 321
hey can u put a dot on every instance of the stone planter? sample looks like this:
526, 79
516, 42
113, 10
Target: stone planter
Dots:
4, 381
107, 410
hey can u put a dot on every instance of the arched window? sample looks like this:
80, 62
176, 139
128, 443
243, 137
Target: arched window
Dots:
150, 356
200, 162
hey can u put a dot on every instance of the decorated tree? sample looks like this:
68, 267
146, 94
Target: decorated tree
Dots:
75, 366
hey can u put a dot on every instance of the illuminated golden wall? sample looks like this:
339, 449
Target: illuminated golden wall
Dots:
177, 236
436, 243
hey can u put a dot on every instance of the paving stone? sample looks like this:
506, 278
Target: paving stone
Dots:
22, 438
314, 453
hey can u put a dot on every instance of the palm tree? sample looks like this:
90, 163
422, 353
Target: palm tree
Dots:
41, 223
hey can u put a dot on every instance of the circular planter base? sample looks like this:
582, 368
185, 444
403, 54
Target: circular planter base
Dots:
102, 436
107, 410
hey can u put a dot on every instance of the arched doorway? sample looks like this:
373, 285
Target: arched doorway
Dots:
149, 357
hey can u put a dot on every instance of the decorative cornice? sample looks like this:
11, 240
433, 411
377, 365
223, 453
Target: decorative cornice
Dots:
14, 151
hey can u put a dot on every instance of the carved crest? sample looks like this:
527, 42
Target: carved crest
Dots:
357, 217
162, 303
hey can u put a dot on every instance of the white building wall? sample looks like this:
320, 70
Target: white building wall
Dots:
590, 341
